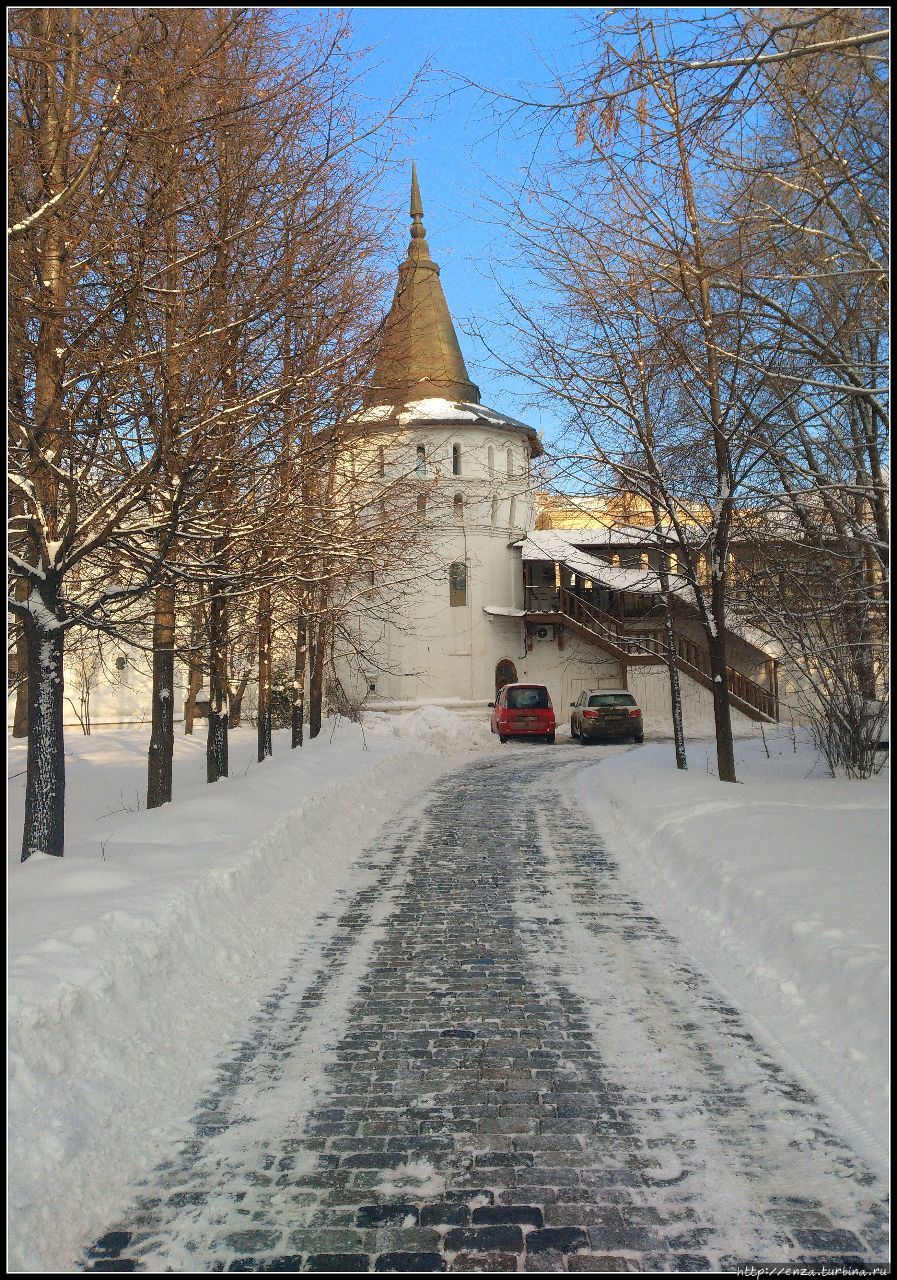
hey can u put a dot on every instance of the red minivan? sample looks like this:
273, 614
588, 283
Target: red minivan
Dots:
523, 710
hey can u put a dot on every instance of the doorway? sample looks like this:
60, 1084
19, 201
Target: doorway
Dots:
505, 673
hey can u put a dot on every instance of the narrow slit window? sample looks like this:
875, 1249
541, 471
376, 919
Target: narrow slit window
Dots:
458, 583
458, 508
456, 459
510, 457
421, 466
422, 506
381, 458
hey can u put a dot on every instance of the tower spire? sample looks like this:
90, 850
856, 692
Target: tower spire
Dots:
419, 357
417, 208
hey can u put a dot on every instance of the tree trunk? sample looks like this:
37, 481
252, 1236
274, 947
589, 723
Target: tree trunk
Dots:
316, 681
20, 715
301, 653
675, 689
194, 684
722, 712
235, 701
45, 778
216, 743
264, 707
161, 748
663, 574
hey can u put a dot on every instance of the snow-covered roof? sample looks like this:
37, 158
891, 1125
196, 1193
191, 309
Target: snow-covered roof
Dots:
609, 535
436, 412
550, 544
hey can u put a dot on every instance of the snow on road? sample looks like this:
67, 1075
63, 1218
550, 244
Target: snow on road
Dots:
136, 960
779, 887
135, 957
501, 1060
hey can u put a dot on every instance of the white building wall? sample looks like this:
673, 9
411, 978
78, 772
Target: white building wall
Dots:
441, 653
436, 651
98, 690
650, 686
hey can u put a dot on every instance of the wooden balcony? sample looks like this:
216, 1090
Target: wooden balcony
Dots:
643, 646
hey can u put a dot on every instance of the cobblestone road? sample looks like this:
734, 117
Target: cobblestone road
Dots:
494, 1059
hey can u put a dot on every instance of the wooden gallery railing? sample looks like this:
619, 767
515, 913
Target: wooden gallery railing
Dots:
647, 646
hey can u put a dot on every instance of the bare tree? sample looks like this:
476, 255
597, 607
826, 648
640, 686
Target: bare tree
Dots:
81, 465
712, 221
148, 232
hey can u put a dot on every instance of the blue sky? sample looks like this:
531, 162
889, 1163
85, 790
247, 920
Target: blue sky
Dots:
458, 151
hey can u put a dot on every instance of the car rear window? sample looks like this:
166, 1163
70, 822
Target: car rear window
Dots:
612, 700
528, 696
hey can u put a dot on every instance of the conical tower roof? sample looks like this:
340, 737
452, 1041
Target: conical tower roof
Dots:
419, 356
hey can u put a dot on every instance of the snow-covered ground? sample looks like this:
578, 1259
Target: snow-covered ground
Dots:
137, 957
779, 888
134, 958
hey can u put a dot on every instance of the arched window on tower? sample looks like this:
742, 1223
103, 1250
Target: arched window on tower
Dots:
458, 583
458, 508
456, 459
421, 466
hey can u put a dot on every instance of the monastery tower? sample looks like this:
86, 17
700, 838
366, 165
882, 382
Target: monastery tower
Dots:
471, 467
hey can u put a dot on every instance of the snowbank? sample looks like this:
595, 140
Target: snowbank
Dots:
433, 725
135, 958
779, 888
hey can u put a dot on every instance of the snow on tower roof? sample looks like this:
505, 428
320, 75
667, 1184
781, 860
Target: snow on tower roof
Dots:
434, 411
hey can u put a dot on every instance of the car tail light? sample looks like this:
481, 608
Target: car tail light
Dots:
589, 715
635, 711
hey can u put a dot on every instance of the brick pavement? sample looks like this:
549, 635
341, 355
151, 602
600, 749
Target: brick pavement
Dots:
500, 1062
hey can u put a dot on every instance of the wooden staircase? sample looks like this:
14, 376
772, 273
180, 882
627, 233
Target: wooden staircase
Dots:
647, 647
